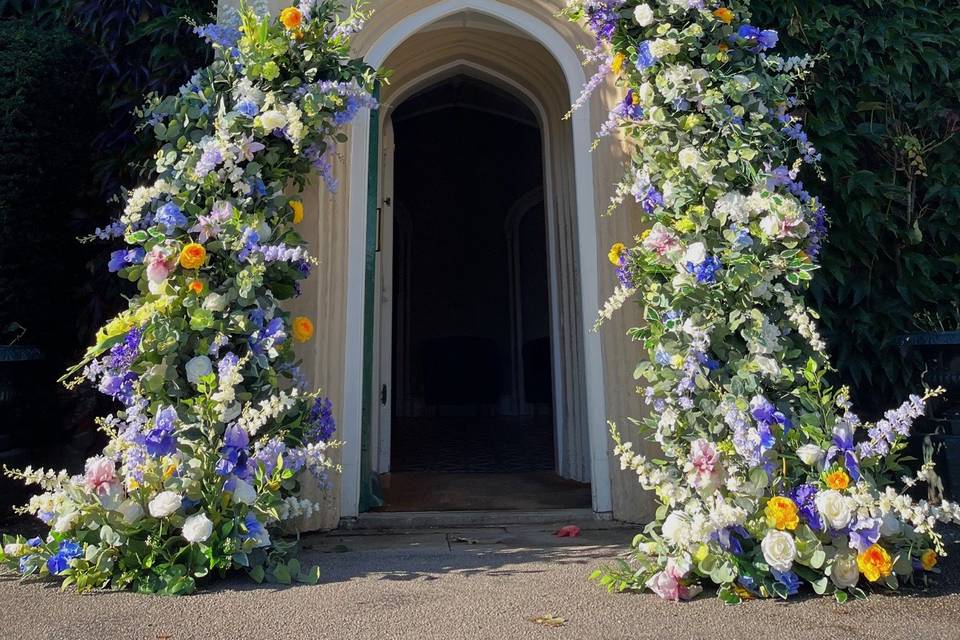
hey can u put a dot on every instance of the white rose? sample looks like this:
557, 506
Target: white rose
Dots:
676, 529
131, 511
643, 14
272, 119
811, 454
889, 525
164, 504
197, 368
215, 302
844, 571
779, 550
244, 493
768, 366
770, 225
688, 158
14, 549
197, 528
836, 508
695, 253
646, 94
65, 522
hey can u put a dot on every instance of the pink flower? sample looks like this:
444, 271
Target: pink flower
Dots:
667, 583
158, 264
660, 241
100, 475
704, 464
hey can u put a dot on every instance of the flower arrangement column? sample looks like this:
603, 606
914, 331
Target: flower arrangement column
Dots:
768, 480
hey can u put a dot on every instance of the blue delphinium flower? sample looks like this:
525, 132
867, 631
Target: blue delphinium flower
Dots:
124, 353
267, 336
757, 39
788, 579
251, 242
233, 453
804, 496
602, 18
124, 258
160, 440
864, 533
60, 562
843, 444
706, 271
764, 411
741, 237
651, 199
321, 420
222, 35
34, 542
170, 216
248, 108
268, 454
645, 57
631, 106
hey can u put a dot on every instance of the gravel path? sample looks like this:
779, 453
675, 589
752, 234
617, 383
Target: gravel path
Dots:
485, 583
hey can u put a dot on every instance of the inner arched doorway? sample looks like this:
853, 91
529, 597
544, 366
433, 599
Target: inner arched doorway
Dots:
466, 417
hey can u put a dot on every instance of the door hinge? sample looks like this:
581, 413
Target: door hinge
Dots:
383, 395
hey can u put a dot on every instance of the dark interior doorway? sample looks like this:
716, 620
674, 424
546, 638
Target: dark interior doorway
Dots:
471, 330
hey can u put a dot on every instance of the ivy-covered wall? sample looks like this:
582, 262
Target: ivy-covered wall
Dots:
885, 113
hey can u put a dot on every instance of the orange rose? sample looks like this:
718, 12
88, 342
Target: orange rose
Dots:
193, 256
297, 207
291, 18
302, 329
875, 563
196, 287
724, 15
838, 480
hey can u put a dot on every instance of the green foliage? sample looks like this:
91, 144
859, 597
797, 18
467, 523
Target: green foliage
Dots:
46, 129
885, 113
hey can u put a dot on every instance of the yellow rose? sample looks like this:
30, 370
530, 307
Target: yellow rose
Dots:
928, 559
615, 252
193, 256
291, 18
617, 65
297, 207
781, 513
302, 329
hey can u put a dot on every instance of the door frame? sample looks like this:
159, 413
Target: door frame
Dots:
586, 243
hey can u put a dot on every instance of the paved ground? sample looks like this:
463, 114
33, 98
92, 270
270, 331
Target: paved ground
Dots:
485, 583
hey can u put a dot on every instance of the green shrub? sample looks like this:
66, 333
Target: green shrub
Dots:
885, 114
47, 121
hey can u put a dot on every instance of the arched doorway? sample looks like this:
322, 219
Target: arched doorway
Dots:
465, 363
508, 48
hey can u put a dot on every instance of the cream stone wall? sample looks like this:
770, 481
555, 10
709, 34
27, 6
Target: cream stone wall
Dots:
524, 61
